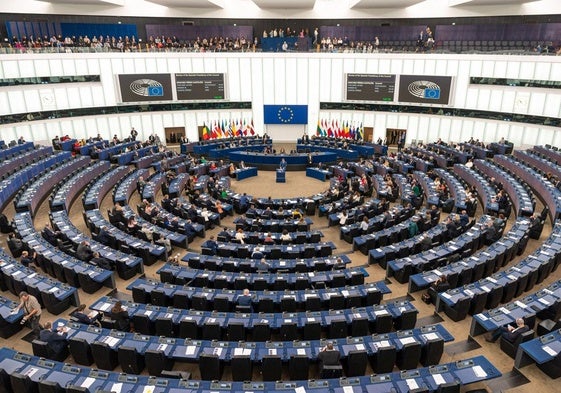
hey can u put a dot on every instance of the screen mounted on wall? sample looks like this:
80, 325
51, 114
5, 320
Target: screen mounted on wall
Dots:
200, 86
425, 89
370, 87
145, 87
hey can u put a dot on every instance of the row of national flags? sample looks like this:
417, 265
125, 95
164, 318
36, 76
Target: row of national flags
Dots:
340, 129
228, 128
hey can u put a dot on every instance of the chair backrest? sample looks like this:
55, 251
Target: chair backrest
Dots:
210, 367
143, 324
221, 303
80, 351
338, 329
409, 355
384, 359
104, 357
261, 332
450, 387
406, 320
242, 368
130, 360
432, 352
384, 323
356, 363
159, 298
49, 387
163, 326
188, 329
41, 349
298, 367
359, 327
156, 362
236, 331
272, 368
211, 331
288, 331
311, 331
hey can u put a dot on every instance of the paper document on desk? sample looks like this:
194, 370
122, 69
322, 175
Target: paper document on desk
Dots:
162, 347
412, 384
345, 293
190, 350
360, 347
446, 295
301, 351
111, 341
105, 306
382, 344
549, 350
431, 336
217, 351
87, 382
300, 389
272, 351
520, 304
542, 300
348, 389
148, 389
116, 388
438, 379
479, 372
407, 340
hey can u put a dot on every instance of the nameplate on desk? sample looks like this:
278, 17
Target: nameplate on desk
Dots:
221, 385
479, 372
382, 344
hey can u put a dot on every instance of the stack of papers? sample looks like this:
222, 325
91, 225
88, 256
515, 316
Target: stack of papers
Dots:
479, 372
190, 350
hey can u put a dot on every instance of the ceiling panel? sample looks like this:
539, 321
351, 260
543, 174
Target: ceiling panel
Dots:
94, 2
487, 2
384, 3
285, 4
190, 3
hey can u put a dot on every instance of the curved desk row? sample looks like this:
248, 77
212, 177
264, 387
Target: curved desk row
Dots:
245, 265
57, 264
183, 275
30, 371
225, 300
402, 314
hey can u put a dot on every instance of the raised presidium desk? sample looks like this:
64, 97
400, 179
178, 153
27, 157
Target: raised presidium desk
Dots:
316, 173
245, 173
40, 370
296, 161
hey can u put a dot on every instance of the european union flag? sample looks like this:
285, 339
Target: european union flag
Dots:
155, 91
286, 114
432, 94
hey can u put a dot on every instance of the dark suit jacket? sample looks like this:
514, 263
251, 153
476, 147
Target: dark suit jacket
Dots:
512, 336
329, 358
56, 342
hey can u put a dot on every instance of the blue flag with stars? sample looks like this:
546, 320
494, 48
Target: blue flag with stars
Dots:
285, 114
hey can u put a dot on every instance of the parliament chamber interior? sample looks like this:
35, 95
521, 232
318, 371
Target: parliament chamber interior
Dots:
255, 196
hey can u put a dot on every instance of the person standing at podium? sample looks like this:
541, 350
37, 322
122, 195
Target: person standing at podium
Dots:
282, 165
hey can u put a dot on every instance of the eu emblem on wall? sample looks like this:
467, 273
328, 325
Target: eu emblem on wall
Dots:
285, 114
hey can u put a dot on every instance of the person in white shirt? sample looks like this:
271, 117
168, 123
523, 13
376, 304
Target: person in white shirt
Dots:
240, 236
364, 225
343, 216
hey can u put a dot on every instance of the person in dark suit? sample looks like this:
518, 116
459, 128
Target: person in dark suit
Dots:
328, 356
56, 338
464, 218
92, 318
246, 300
121, 317
15, 245
84, 251
101, 262
490, 233
211, 244
103, 236
509, 332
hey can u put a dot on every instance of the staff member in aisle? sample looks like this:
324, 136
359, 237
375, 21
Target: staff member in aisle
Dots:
31, 310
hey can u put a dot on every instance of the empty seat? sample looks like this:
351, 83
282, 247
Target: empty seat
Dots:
104, 357
298, 367
383, 360
432, 351
157, 362
80, 351
242, 368
409, 355
210, 367
272, 368
130, 360
355, 363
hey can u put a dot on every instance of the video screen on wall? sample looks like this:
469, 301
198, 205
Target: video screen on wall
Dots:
145, 87
200, 86
425, 89
370, 87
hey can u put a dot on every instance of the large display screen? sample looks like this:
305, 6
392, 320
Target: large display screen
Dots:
370, 87
145, 87
425, 89
200, 86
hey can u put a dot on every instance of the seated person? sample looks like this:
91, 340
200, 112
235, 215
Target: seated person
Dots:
103, 236
211, 245
328, 356
15, 245
101, 262
262, 266
246, 300
121, 317
257, 253
509, 332
440, 285
285, 236
91, 318
54, 337
84, 251
28, 260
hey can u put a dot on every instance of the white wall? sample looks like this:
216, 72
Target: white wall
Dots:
277, 78
319, 9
